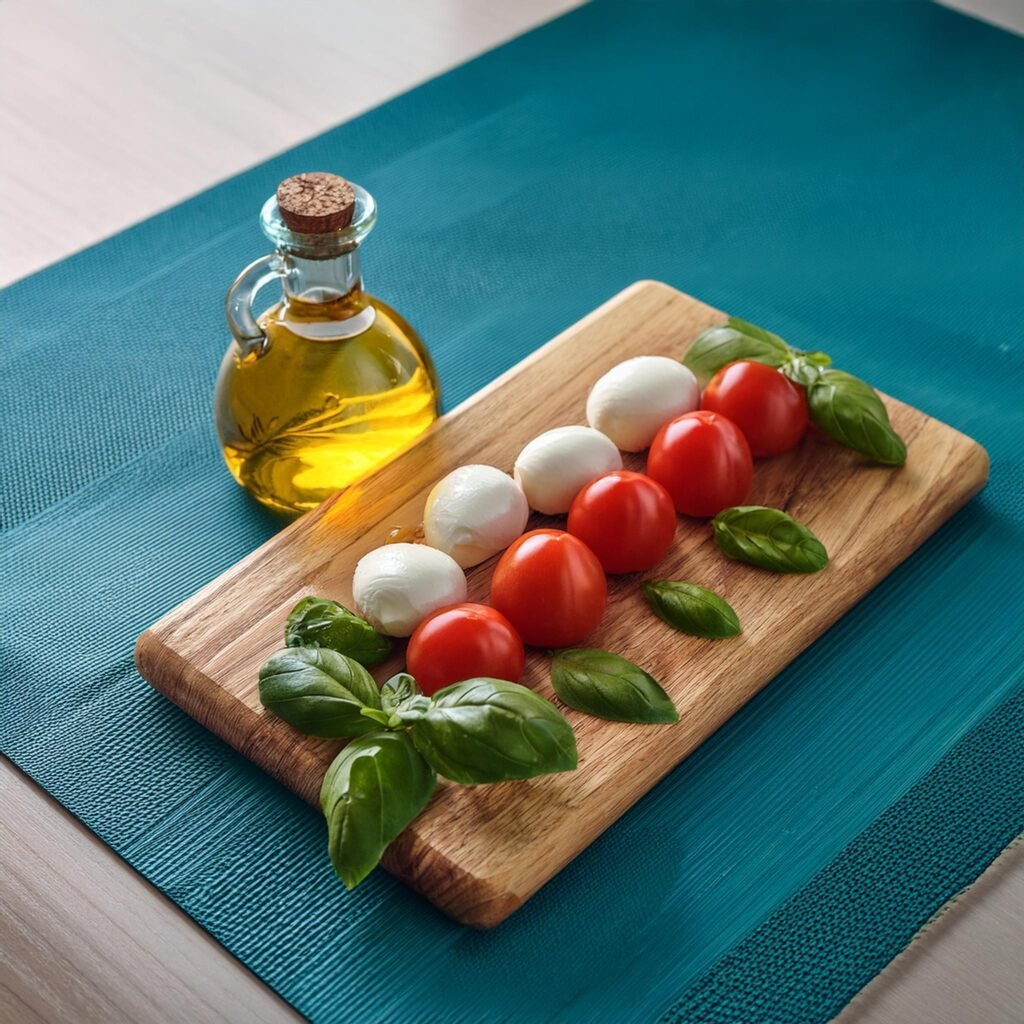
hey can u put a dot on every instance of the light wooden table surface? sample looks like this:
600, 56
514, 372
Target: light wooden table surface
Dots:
106, 119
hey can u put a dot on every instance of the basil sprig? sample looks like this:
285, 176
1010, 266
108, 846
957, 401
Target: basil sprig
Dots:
603, 684
768, 538
481, 730
845, 407
489, 730
319, 691
371, 792
320, 622
692, 609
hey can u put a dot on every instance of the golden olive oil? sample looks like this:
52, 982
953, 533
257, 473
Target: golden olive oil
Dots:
312, 414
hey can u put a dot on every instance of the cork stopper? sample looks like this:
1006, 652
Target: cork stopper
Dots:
314, 203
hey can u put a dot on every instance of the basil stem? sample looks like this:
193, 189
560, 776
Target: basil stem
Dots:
319, 691
850, 411
381, 717
320, 622
607, 686
488, 730
718, 346
692, 609
815, 358
371, 792
768, 538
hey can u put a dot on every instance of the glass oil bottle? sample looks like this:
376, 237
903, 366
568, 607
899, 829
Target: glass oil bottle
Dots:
329, 382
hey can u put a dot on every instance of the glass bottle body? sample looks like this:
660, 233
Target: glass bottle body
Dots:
330, 383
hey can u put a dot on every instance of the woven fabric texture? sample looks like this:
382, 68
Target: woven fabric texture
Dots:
847, 174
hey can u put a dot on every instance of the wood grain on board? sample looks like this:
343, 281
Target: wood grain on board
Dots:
478, 853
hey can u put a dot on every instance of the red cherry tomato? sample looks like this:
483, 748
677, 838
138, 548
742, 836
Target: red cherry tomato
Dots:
627, 520
551, 587
703, 460
462, 642
769, 408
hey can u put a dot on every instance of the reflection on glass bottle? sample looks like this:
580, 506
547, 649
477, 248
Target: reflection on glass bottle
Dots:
329, 382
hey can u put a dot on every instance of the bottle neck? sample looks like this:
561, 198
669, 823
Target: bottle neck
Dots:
322, 280
324, 298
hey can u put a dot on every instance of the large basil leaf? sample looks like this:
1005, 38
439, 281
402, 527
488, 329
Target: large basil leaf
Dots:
692, 609
319, 691
603, 684
372, 790
320, 622
850, 411
718, 346
768, 538
488, 730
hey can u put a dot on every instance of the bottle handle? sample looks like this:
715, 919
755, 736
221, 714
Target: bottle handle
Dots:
251, 338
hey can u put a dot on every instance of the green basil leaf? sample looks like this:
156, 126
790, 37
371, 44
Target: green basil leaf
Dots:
318, 691
850, 411
718, 346
692, 609
320, 622
398, 691
371, 792
607, 686
768, 538
488, 730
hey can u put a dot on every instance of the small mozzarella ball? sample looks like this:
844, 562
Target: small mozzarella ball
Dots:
397, 586
553, 467
635, 399
474, 512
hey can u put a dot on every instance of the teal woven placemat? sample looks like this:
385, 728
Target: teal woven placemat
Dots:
845, 173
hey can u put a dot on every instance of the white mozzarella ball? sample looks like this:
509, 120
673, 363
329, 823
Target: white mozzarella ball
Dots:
397, 586
474, 512
553, 467
635, 399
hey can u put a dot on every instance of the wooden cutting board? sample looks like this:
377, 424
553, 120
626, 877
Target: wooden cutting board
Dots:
479, 852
